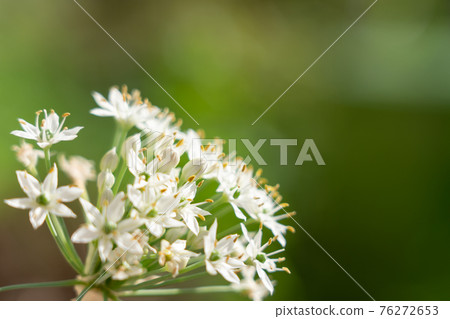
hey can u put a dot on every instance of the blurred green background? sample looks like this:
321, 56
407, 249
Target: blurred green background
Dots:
377, 105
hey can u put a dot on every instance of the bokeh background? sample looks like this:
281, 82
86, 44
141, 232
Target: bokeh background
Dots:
377, 105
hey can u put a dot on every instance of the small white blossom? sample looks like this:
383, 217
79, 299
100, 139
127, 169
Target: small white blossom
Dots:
50, 131
121, 264
261, 260
174, 256
108, 227
254, 289
27, 155
218, 255
128, 110
44, 198
79, 169
154, 204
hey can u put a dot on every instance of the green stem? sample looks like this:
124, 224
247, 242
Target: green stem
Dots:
123, 170
91, 259
48, 163
61, 283
153, 282
236, 228
59, 232
177, 291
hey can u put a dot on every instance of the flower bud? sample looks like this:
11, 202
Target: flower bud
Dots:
167, 160
105, 180
109, 161
196, 167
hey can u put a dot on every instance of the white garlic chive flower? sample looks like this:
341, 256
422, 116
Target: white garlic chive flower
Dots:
44, 198
127, 109
254, 289
79, 169
218, 255
263, 205
162, 157
174, 256
122, 264
27, 155
49, 131
153, 206
108, 227
259, 259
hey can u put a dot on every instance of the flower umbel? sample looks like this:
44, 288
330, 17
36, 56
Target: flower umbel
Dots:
154, 217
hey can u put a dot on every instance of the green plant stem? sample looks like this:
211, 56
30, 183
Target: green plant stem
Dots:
236, 228
61, 283
91, 259
153, 282
123, 170
177, 291
62, 239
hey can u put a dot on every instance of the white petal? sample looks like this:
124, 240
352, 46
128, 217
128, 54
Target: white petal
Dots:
129, 225
85, 234
126, 241
21, 203
29, 184
102, 112
101, 101
239, 214
228, 274
70, 134
210, 269
68, 193
92, 213
116, 208
264, 278
63, 211
104, 247
52, 122
25, 135
37, 216
51, 181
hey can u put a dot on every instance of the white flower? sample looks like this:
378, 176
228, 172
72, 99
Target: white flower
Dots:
255, 289
260, 205
188, 211
260, 259
217, 254
27, 155
79, 169
154, 204
49, 131
235, 181
121, 264
174, 256
128, 110
108, 227
44, 198
163, 159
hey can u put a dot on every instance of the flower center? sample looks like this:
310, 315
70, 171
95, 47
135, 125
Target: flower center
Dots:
236, 194
261, 258
42, 200
145, 175
153, 213
214, 256
109, 227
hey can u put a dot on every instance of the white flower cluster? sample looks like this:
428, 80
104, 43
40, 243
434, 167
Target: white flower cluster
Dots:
152, 215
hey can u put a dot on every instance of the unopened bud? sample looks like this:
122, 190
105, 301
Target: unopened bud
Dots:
195, 167
167, 160
105, 180
109, 161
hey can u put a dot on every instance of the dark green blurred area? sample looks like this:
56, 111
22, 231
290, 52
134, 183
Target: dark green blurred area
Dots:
377, 106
